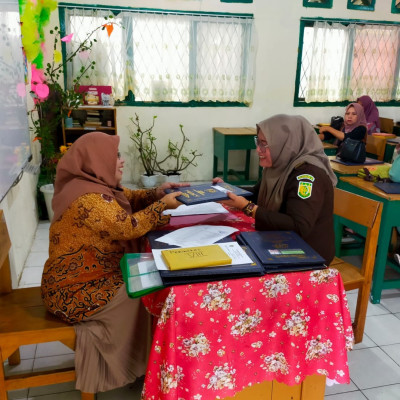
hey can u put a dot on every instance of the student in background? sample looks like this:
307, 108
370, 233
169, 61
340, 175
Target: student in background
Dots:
95, 222
371, 114
355, 125
296, 189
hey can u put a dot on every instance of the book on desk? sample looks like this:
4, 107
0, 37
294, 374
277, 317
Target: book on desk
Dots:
281, 251
203, 193
204, 274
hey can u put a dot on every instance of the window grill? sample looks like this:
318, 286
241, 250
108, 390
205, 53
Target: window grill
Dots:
167, 57
342, 61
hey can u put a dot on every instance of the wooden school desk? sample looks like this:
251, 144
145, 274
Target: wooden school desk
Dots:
270, 337
390, 219
227, 139
342, 170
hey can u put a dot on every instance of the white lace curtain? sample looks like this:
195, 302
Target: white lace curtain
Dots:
343, 62
167, 57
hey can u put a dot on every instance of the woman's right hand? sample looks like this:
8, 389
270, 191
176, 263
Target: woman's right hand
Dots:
217, 180
170, 200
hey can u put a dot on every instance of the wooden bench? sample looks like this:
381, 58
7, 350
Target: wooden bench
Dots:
25, 321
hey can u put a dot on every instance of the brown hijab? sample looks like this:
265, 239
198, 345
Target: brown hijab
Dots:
89, 166
292, 141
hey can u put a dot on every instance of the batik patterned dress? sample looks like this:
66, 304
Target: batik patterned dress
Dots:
82, 273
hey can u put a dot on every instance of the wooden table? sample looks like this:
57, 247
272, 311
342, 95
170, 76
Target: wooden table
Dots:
226, 139
257, 338
390, 219
342, 170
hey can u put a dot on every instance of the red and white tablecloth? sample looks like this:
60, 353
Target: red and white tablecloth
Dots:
214, 339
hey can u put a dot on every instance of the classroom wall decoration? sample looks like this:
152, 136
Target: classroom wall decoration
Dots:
236, 1
365, 5
318, 3
396, 6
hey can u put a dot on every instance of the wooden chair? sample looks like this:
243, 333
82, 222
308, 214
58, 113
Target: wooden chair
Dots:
386, 124
24, 320
376, 145
367, 213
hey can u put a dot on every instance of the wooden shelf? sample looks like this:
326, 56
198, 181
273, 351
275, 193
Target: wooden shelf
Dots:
80, 115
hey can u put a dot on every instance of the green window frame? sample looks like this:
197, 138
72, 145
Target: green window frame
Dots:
309, 22
246, 64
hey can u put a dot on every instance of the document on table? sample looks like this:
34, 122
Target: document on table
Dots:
233, 249
198, 235
204, 208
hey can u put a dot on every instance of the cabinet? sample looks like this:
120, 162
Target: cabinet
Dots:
86, 119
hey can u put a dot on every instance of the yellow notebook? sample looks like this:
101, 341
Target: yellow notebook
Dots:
195, 257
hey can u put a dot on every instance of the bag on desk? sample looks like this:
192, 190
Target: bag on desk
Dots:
352, 150
337, 123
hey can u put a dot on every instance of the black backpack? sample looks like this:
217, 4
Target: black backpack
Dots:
337, 123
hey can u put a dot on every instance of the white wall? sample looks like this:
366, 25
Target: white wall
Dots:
277, 26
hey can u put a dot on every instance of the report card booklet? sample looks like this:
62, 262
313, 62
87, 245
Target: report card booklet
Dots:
207, 192
280, 251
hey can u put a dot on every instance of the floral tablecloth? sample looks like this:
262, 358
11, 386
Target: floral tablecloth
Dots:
213, 339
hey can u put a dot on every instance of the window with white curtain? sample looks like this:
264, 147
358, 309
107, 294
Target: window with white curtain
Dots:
164, 56
340, 61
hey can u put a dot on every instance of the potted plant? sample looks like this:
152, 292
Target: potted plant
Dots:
49, 111
144, 142
176, 160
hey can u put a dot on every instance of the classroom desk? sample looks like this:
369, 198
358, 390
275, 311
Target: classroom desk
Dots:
216, 339
342, 170
390, 219
227, 139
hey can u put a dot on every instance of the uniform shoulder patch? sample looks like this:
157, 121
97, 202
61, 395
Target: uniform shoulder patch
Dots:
305, 187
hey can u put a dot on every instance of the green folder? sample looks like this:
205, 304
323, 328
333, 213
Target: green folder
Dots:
140, 274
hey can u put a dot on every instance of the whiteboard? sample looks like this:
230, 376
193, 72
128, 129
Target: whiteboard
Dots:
14, 128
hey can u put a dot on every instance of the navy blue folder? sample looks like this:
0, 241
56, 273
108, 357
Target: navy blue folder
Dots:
204, 193
388, 187
282, 251
207, 274
368, 161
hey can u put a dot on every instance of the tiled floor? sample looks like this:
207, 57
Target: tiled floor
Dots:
374, 363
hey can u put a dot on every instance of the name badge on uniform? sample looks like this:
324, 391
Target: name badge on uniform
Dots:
305, 187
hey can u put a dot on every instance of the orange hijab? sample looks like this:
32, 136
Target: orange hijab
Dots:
89, 166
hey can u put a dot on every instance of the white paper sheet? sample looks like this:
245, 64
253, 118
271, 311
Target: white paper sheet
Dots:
197, 235
204, 208
233, 249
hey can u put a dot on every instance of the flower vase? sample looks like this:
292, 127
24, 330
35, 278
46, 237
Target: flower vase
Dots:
149, 181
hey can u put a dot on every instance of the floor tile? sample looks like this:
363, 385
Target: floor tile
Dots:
25, 366
393, 351
42, 233
21, 394
347, 396
27, 352
383, 329
336, 389
52, 389
373, 309
52, 349
382, 370
397, 315
132, 392
391, 392
75, 395
366, 342
36, 259
31, 276
40, 245
391, 300
63, 361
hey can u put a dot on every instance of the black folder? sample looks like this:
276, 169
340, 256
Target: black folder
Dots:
204, 193
282, 251
206, 274
388, 187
